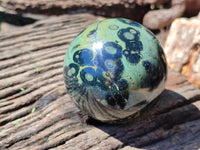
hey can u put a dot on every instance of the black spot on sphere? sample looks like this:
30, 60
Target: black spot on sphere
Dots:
116, 99
70, 77
125, 94
120, 100
123, 87
134, 46
112, 50
155, 75
110, 65
123, 84
135, 24
83, 57
88, 76
71, 70
126, 21
111, 101
102, 64
133, 58
99, 62
132, 34
118, 71
148, 66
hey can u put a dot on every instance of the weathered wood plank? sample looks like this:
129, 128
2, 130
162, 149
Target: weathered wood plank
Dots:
148, 12
37, 113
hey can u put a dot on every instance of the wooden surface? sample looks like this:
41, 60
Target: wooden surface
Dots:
109, 8
148, 12
37, 113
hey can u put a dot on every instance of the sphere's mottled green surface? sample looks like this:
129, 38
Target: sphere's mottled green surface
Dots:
114, 68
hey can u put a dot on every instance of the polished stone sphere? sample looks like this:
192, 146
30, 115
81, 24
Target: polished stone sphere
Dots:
114, 68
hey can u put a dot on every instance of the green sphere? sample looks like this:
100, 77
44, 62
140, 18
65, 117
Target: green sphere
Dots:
114, 68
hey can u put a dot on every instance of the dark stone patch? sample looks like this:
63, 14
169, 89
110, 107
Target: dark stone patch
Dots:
135, 24
123, 84
112, 55
110, 100
90, 72
123, 87
71, 66
148, 66
132, 58
119, 70
134, 46
122, 31
83, 57
120, 100
155, 74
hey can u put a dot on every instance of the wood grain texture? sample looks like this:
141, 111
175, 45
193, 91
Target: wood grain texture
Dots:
148, 12
99, 7
37, 113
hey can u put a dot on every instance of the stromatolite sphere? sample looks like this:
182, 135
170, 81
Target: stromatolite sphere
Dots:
114, 68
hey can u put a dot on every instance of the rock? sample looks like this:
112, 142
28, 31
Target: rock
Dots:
157, 19
183, 48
